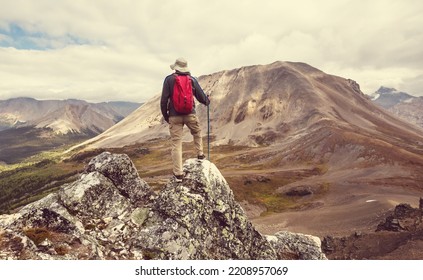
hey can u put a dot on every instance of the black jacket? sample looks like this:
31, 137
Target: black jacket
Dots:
166, 103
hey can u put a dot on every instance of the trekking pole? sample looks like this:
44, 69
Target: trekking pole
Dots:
208, 130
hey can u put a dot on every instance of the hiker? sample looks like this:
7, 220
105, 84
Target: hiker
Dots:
178, 109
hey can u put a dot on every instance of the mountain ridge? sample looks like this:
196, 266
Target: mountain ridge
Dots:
63, 116
29, 126
389, 97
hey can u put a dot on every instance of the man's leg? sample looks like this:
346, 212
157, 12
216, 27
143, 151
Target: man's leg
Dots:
192, 122
176, 125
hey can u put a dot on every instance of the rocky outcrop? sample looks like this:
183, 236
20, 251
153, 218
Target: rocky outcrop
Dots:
403, 218
398, 236
110, 213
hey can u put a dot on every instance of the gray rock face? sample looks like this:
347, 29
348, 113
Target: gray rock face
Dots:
110, 213
295, 246
199, 219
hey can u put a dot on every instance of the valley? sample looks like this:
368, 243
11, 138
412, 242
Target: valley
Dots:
18, 144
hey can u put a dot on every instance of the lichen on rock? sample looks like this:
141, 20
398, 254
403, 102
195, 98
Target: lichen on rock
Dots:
111, 213
289, 245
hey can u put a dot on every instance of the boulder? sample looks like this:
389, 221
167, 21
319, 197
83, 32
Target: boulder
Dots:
296, 246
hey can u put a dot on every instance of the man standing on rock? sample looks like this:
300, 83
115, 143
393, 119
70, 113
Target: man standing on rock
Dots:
178, 109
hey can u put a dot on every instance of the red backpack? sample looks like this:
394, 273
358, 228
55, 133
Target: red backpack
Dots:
183, 98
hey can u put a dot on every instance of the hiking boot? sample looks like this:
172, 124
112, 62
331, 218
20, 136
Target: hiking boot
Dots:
178, 178
201, 156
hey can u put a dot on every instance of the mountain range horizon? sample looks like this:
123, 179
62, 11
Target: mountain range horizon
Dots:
29, 126
107, 100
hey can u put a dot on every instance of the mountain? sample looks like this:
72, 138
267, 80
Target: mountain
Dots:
29, 126
403, 105
283, 103
111, 213
389, 97
63, 116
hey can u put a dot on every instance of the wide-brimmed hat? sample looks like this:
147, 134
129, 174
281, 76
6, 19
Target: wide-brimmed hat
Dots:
180, 65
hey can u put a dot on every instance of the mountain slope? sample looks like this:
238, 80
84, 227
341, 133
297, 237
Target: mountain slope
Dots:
20, 110
410, 110
29, 126
76, 119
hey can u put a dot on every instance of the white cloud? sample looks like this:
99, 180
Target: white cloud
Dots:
109, 50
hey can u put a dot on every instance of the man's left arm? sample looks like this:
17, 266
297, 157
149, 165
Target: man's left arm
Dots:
165, 100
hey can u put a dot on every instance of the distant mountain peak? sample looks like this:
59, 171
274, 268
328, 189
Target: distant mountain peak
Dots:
383, 90
389, 97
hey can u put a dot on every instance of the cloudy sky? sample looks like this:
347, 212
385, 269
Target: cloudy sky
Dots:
121, 50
